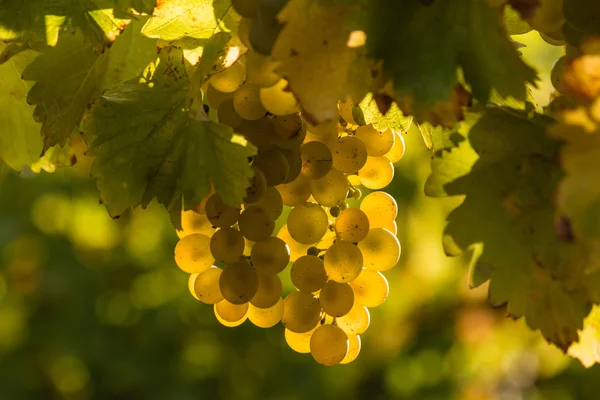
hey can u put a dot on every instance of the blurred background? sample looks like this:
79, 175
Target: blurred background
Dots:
95, 308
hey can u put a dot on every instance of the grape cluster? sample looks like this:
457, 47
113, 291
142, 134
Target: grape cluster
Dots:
335, 252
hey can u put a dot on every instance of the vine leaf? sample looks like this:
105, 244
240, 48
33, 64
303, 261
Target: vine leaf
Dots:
392, 119
506, 166
146, 145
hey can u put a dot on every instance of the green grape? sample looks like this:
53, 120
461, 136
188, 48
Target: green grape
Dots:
377, 143
260, 70
582, 15
301, 312
380, 208
352, 225
397, 151
558, 71
336, 298
334, 211
257, 187
316, 159
312, 251
380, 249
308, 274
243, 32
548, 16
255, 224
356, 321
265, 27
194, 222
370, 288
239, 282
307, 223
220, 214
227, 115
270, 256
343, 206
290, 131
246, 102
377, 173
227, 245
273, 164
349, 154
354, 345
270, 202
246, 8
331, 190
343, 262
231, 315
206, 286
216, 98
192, 253
230, 79
295, 192
277, 100
299, 342
260, 132
345, 108
269, 291
329, 345
266, 317
296, 249
295, 163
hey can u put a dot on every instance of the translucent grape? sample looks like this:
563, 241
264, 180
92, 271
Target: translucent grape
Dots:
273, 164
398, 149
349, 154
299, 342
230, 79
206, 286
328, 138
324, 129
277, 100
259, 132
558, 70
380, 208
294, 161
354, 345
220, 214
296, 249
239, 282
334, 211
345, 108
246, 8
295, 192
246, 102
216, 98
380, 249
255, 224
231, 315
191, 281
316, 159
269, 291
343, 262
301, 312
307, 223
336, 298
352, 225
356, 321
270, 256
192, 253
331, 190
227, 245
308, 273
329, 239
260, 70
290, 131
329, 345
270, 202
227, 115
377, 173
266, 317
194, 222
370, 288
377, 143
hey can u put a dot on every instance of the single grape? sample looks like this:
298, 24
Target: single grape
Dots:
299, 342
343, 206
324, 129
334, 211
548, 16
239, 282
331, 190
349, 154
398, 149
316, 159
328, 138
307, 223
377, 143
255, 224
259, 132
312, 251
380, 208
231, 315
246, 102
260, 70
301, 312
273, 164
336, 298
343, 262
295, 163
277, 100
295, 192
269, 291
266, 317
227, 245
329, 345
227, 115
290, 131
345, 108
354, 345
270, 256
206, 286
558, 71
270, 202
308, 273
194, 222
230, 79
216, 98
352, 225
191, 282
356, 321
377, 173
356, 194
192, 253
296, 249
380, 249
220, 214
370, 288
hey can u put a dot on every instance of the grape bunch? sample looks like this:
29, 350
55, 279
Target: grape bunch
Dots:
304, 179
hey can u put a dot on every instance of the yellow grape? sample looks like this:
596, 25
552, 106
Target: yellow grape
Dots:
548, 16
273, 164
377, 173
191, 281
269, 291
370, 288
345, 107
330, 190
266, 317
398, 149
295, 192
231, 315
290, 131
260, 70
257, 187
255, 224
227, 115
296, 249
227, 245
343, 262
336, 298
220, 214
270, 202
307, 223
558, 70
299, 342
329, 345
352, 225
216, 98
354, 180
270, 256
354, 345
194, 222
377, 143
277, 100
356, 321
259, 132
246, 102
301, 312
206, 286
192, 253
324, 129
349, 154
308, 274
238, 282
390, 226
380, 208
328, 138
380, 249
295, 163
316, 159
230, 79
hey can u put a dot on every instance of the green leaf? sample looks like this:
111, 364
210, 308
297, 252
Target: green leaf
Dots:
423, 46
146, 145
20, 142
586, 350
393, 119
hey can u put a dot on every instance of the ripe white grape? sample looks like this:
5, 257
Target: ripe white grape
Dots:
377, 173
558, 70
206, 286
329, 345
377, 143
216, 98
352, 225
380, 249
192, 253
270, 256
277, 100
308, 274
273, 164
548, 16
269, 291
260, 70
336, 298
370, 288
380, 208
266, 317
238, 282
270, 202
230, 79
191, 281
290, 131
345, 108
354, 345
257, 187
220, 214
246, 102
194, 222
398, 149
301, 312
299, 342
343, 262
227, 115
259, 132
295, 192
255, 224
296, 249
327, 137
227, 245
295, 163
330, 190
324, 129
307, 223
356, 321
231, 315
316, 159
349, 154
